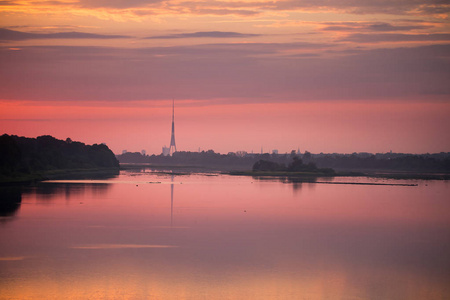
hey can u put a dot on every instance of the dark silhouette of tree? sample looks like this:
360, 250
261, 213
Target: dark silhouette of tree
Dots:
265, 165
307, 156
297, 165
20, 155
10, 154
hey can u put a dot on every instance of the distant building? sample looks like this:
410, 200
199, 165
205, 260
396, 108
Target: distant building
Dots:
275, 151
124, 151
143, 152
173, 147
165, 151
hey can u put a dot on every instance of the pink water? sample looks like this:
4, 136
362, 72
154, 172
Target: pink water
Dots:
148, 236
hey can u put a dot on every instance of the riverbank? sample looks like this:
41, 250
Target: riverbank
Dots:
180, 169
18, 178
306, 175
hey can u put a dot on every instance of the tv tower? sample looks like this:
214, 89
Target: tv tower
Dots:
173, 147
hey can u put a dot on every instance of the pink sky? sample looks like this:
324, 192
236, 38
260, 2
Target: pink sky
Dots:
325, 126
350, 76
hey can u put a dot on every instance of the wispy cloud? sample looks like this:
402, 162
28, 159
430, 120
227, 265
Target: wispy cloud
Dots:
396, 7
12, 35
8, 3
395, 37
205, 34
366, 26
224, 11
120, 246
119, 4
12, 258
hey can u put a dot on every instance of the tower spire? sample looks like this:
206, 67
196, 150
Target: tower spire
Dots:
173, 146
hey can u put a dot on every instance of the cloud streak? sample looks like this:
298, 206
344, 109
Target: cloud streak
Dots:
205, 34
395, 37
396, 7
118, 4
12, 35
121, 246
393, 7
374, 27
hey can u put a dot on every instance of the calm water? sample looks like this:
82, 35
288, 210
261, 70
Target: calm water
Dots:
148, 236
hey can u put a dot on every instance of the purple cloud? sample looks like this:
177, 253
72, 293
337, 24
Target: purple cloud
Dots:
205, 34
378, 27
12, 35
395, 37
399, 7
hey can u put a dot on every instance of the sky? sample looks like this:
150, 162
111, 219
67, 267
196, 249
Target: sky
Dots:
323, 76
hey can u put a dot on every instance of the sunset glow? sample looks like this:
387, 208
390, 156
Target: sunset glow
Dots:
322, 76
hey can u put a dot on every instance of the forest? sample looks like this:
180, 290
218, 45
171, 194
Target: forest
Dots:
24, 158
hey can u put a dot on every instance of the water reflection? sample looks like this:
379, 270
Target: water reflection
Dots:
295, 182
48, 192
287, 179
44, 193
11, 198
171, 201
233, 238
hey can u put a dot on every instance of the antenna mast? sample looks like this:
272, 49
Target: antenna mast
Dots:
173, 146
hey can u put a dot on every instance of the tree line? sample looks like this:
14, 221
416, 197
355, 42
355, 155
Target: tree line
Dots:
438, 162
23, 156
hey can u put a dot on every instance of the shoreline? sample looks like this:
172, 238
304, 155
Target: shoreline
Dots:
187, 170
24, 178
387, 175
190, 169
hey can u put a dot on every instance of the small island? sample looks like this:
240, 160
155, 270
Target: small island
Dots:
25, 159
295, 168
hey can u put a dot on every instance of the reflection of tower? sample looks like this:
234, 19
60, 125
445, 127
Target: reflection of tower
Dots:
173, 147
171, 201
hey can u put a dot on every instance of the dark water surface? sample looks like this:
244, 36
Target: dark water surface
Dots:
148, 236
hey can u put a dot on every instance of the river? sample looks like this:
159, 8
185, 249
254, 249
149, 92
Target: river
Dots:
145, 235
